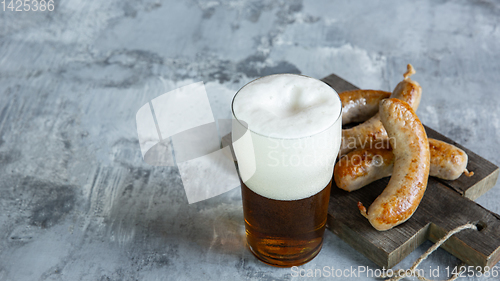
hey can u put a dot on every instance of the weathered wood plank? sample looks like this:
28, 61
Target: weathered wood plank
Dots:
441, 210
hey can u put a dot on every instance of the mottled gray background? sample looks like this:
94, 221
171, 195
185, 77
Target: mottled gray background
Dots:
78, 203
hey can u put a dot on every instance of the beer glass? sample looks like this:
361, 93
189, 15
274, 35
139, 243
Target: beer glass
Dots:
286, 136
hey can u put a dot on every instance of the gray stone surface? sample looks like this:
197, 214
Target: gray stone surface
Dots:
78, 203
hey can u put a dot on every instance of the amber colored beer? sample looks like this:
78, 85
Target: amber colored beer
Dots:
285, 233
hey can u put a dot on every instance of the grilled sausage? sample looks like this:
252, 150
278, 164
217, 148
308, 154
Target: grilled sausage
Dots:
360, 105
364, 166
447, 161
408, 182
371, 131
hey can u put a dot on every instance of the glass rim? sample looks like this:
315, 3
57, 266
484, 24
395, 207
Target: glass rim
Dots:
247, 127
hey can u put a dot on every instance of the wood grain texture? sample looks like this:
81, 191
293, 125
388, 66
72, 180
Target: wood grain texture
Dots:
441, 210
445, 205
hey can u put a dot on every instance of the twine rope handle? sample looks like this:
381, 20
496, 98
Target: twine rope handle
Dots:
401, 273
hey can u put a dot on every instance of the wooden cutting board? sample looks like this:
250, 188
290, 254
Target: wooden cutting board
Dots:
445, 206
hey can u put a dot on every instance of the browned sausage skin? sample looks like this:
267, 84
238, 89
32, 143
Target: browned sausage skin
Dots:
447, 161
408, 182
372, 131
360, 105
364, 166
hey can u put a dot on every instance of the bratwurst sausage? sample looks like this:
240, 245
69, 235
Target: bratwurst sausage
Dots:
360, 105
372, 131
447, 161
364, 166
408, 182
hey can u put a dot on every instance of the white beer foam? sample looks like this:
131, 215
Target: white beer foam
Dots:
287, 106
295, 128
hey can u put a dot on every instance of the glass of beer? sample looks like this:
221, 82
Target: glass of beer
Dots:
286, 136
